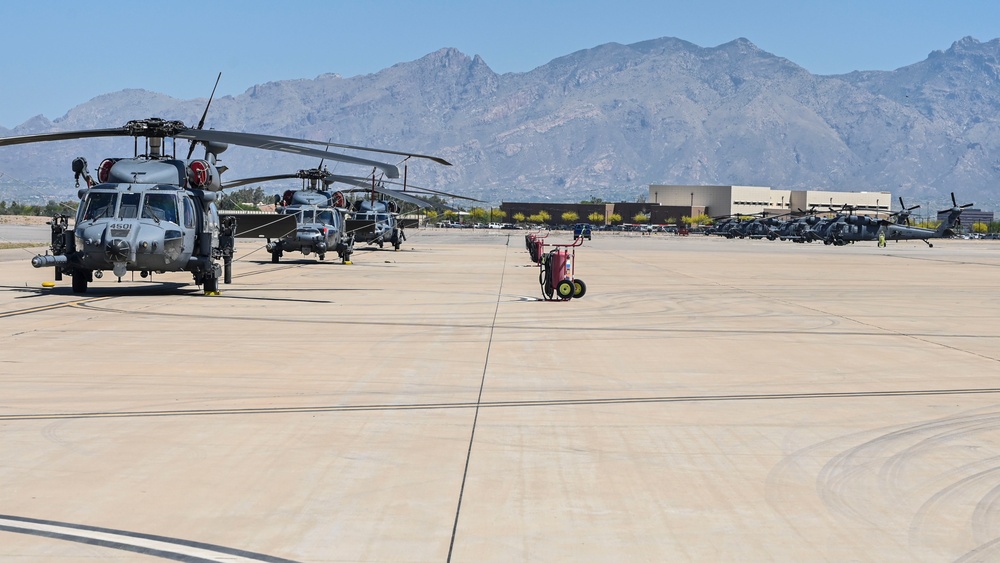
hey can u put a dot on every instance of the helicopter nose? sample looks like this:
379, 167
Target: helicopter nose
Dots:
117, 250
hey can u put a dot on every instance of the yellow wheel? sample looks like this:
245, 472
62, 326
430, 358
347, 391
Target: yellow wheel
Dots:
565, 289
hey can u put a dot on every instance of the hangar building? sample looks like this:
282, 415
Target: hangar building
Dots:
749, 200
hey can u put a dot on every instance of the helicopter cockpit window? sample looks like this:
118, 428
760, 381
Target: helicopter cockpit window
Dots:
188, 213
325, 217
383, 217
100, 205
160, 206
130, 206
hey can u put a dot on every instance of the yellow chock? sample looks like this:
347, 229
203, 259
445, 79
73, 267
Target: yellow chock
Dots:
48, 284
348, 262
213, 293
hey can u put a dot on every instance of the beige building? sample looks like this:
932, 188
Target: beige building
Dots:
749, 200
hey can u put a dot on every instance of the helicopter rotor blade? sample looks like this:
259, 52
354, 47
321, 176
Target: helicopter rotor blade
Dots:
437, 159
245, 181
268, 142
366, 182
274, 138
64, 136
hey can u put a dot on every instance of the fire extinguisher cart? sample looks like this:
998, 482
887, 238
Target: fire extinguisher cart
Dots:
556, 273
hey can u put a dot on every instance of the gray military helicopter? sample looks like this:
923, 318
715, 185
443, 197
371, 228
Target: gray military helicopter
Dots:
155, 213
862, 228
375, 217
308, 220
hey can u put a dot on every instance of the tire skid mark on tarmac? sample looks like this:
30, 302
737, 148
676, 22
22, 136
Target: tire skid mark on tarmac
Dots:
547, 328
879, 330
880, 478
175, 549
506, 404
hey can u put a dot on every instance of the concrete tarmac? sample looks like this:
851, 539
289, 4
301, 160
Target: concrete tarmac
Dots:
706, 400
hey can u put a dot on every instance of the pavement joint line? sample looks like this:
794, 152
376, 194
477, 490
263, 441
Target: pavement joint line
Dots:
512, 404
479, 400
76, 303
882, 330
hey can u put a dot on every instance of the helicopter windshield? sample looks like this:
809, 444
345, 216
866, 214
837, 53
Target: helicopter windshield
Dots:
100, 204
160, 206
130, 206
325, 217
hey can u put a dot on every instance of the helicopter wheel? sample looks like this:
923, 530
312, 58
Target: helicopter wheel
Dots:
579, 288
321, 256
274, 256
79, 281
565, 289
211, 285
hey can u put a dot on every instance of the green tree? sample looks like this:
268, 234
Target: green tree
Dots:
615, 218
596, 217
979, 227
542, 216
478, 214
450, 215
701, 219
640, 217
593, 200
570, 217
431, 214
519, 217
685, 220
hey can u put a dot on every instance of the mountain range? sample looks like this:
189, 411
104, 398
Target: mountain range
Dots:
603, 122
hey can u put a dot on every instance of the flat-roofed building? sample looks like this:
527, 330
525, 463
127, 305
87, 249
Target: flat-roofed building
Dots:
750, 200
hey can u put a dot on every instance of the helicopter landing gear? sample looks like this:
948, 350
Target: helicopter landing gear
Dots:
80, 279
321, 256
275, 255
211, 285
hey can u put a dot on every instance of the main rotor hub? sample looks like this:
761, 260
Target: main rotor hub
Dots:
154, 127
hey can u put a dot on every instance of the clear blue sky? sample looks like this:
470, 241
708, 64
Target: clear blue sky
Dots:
57, 54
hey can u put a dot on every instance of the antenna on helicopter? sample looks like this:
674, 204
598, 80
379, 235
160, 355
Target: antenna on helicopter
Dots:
204, 115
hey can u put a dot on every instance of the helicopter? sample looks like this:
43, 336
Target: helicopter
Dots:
155, 213
375, 218
861, 228
308, 220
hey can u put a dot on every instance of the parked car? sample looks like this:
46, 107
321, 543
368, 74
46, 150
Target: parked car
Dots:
582, 230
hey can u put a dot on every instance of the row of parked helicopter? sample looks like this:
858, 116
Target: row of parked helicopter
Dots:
155, 213
838, 227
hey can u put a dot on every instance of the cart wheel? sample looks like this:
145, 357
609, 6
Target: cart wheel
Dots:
565, 289
579, 288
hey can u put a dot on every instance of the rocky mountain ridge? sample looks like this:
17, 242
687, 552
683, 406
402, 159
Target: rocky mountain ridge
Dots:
604, 122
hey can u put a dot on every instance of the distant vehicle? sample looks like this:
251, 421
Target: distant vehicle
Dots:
582, 230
